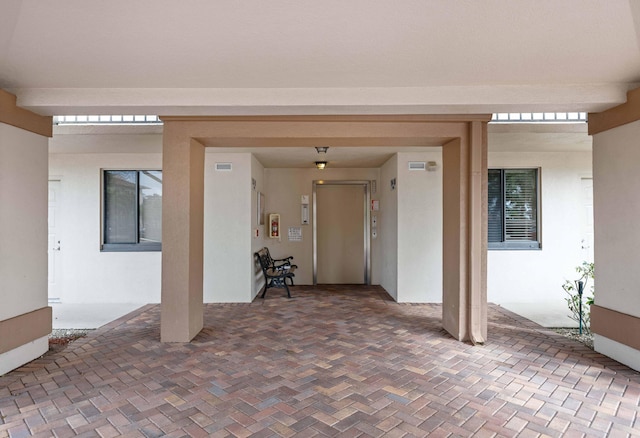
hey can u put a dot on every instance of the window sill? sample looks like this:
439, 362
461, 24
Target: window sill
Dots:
131, 247
515, 246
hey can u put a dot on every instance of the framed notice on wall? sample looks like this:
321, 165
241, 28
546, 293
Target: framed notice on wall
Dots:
295, 234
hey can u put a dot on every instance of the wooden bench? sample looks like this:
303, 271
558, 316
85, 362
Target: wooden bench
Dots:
276, 271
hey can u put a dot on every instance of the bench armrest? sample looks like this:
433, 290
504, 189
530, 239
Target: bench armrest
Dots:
285, 260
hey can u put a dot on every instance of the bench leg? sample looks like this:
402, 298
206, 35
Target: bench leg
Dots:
287, 288
280, 282
264, 291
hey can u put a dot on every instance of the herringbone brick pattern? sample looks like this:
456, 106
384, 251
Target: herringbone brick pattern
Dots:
340, 361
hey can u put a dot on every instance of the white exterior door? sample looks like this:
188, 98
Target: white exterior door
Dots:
55, 244
587, 219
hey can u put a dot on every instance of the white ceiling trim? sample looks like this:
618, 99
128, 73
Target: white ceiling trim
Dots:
320, 101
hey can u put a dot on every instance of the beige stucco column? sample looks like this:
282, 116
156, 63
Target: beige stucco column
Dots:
464, 234
25, 317
182, 235
615, 317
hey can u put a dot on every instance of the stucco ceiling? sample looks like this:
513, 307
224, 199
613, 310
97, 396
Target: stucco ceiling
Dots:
318, 57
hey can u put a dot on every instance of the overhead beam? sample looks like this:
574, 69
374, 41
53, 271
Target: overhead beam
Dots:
321, 101
14, 115
627, 112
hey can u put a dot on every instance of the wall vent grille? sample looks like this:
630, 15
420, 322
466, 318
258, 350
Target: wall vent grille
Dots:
224, 167
417, 165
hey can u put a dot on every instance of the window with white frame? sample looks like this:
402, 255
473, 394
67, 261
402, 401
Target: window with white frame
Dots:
132, 210
513, 209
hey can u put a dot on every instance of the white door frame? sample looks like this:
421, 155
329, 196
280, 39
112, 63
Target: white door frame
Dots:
367, 234
587, 219
54, 248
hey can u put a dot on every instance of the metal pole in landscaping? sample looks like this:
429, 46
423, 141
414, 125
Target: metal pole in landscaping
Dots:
580, 290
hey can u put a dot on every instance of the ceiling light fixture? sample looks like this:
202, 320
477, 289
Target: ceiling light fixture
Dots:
321, 164
322, 149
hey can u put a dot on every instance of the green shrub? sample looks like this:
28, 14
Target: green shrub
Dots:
585, 270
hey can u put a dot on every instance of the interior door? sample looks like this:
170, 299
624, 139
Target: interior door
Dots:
340, 226
55, 245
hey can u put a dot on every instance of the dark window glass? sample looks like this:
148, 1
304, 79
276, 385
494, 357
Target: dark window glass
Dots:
132, 210
120, 207
150, 195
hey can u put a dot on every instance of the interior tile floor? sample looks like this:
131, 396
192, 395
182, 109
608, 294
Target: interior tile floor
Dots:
332, 361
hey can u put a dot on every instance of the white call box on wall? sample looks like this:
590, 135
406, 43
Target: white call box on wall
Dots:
304, 210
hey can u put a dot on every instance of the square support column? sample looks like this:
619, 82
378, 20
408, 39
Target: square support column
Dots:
25, 318
182, 236
615, 316
464, 310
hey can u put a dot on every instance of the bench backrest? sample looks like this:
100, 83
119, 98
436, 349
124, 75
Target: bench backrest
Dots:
264, 258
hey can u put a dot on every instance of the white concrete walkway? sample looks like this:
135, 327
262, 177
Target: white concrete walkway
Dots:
88, 316
547, 314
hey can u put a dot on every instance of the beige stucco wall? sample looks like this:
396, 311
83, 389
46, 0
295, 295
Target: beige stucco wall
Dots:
23, 233
419, 240
258, 233
227, 229
617, 235
284, 188
23, 221
563, 154
616, 156
90, 275
388, 221
537, 275
410, 214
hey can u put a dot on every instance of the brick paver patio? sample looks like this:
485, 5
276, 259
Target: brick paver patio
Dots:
340, 361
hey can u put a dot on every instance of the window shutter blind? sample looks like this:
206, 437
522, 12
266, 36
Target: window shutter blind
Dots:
495, 228
520, 204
